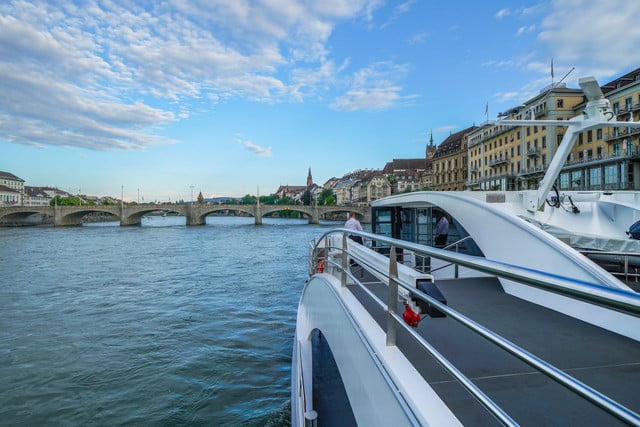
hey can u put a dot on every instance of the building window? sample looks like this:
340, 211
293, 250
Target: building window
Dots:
598, 134
595, 176
544, 142
560, 103
611, 174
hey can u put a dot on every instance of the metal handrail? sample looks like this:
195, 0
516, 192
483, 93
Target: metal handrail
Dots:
625, 261
496, 410
613, 298
608, 297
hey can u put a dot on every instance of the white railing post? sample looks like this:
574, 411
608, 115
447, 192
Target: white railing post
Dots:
343, 277
392, 298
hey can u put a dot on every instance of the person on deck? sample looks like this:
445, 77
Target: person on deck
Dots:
442, 230
353, 224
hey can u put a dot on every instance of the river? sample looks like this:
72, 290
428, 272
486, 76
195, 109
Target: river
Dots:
159, 324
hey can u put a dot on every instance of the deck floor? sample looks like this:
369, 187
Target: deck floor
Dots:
605, 361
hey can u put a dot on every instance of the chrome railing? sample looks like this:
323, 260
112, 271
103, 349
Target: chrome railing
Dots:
626, 261
607, 297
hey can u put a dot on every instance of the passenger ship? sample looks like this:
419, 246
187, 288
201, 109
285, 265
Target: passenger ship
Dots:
508, 324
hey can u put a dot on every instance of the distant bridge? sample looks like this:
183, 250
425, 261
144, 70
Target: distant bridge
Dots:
195, 213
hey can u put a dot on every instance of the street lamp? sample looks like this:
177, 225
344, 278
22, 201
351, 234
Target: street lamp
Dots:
191, 186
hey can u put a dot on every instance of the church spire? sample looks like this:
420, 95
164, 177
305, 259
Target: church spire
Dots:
431, 148
309, 178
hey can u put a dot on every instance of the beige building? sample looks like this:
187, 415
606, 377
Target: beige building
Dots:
449, 163
608, 159
502, 157
377, 188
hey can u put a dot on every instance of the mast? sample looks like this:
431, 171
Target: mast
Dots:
597, 114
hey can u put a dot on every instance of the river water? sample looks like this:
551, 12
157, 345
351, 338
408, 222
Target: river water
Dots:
160, 324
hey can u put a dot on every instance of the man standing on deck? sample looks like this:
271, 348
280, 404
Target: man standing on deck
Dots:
442, 230
353, 224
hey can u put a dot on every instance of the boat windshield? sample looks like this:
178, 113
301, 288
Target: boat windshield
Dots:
418, 225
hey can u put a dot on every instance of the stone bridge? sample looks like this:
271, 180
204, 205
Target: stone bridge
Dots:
195, 213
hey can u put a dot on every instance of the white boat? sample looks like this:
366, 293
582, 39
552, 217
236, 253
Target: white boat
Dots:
517, 327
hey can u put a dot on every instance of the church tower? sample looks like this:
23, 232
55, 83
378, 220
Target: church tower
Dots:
309, 179
431, 148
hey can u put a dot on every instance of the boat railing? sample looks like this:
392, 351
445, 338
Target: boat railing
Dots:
627, 262
455, 247
607, 297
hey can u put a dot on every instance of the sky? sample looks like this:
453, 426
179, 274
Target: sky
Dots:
161, 100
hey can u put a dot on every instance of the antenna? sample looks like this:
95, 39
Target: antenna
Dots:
565, 76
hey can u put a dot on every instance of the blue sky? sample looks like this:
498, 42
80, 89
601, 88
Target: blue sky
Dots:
234, 96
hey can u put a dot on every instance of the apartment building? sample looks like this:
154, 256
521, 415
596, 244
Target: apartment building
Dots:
449, 163
514, 158
608, 159
11, 189
504, 157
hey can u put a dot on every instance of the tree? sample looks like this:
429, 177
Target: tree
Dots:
326, 197
249, 200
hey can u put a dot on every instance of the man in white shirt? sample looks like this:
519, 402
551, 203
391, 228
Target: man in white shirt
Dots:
353, 224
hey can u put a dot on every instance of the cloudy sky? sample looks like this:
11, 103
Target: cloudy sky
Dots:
235, 97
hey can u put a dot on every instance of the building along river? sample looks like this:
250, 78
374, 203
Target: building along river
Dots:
159, 324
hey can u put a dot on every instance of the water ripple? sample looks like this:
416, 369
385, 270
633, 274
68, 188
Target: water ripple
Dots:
153, 325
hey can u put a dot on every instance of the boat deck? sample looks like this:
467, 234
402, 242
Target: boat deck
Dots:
607, 362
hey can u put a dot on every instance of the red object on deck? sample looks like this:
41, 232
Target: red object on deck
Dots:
410, 317
321, 266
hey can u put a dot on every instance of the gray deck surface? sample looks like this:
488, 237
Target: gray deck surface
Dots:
605, 361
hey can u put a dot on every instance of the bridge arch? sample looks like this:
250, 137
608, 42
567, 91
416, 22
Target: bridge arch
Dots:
74, 215
18, 216
133, 215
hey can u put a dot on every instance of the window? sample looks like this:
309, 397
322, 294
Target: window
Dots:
580, 139
560, 103
544, 142
611, 174
590, 136
598, 134
595, 176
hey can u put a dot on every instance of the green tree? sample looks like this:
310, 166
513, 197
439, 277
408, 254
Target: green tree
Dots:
326, 198
248, 200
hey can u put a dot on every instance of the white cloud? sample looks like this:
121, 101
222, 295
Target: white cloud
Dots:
260, 151
596, 37
525, 30
502, 13
96, 75
374, 88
